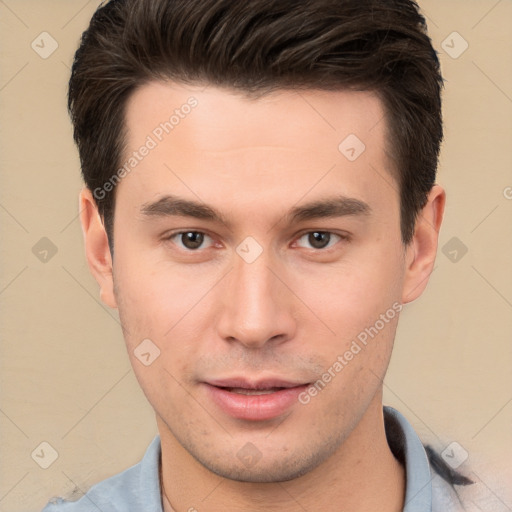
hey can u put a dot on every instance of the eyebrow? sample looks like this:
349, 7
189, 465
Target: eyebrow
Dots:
331, 207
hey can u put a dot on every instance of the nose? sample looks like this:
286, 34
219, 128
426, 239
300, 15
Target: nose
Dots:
255, 306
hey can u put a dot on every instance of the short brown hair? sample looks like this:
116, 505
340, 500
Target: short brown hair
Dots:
257, 47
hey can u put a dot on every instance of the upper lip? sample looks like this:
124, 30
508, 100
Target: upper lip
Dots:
241, 382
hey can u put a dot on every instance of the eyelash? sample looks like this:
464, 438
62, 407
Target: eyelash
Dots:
342, 237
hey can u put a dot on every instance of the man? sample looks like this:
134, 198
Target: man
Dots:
260, 203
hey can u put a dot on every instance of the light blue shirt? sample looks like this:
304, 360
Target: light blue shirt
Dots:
137, 489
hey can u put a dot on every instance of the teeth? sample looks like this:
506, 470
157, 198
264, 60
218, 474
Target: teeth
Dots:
243, 391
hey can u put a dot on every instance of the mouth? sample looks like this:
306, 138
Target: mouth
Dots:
254, 400
245, 391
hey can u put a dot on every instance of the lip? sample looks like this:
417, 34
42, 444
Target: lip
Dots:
254, 407
241, 382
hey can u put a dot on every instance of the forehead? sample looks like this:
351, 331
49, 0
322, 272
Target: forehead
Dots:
210, 141
286, 114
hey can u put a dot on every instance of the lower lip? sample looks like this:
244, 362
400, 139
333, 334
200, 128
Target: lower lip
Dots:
255, 407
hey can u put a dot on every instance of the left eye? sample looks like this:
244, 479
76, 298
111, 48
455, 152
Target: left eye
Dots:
320, 239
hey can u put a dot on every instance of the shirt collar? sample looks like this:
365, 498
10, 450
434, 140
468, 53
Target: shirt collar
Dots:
408, 449
149, 477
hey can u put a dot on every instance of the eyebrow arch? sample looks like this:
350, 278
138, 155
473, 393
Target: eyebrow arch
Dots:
337, 206
169, 205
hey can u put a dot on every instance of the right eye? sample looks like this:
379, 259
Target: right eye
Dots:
188, 240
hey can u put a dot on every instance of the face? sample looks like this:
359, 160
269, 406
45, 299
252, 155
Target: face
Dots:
260, 254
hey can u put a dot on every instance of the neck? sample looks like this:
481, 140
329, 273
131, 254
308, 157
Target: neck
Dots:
361, 475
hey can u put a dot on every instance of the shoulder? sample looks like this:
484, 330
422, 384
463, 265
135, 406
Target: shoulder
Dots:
454, 491
473, 495
136, 488
113, 494
445, 496
431, 484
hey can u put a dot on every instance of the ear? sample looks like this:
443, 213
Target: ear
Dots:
97, 249
421, 251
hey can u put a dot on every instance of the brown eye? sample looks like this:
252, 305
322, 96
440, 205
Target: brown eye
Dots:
190, 240
319, 239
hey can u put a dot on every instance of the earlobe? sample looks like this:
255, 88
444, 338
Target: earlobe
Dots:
97, 250
422, 250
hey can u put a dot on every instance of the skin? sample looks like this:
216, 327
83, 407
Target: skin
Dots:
288, 314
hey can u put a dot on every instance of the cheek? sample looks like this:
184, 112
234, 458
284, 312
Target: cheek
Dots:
152, 295
157, 301
353, 294
151, 309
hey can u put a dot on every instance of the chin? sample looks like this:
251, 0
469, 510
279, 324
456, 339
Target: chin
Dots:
266, 471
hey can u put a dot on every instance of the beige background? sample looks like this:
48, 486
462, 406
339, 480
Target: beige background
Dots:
66, 378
